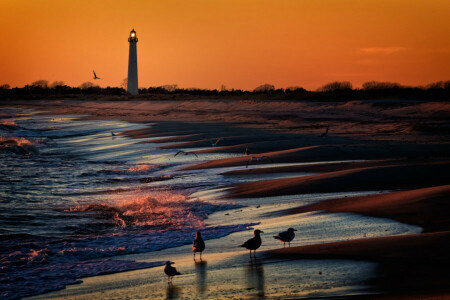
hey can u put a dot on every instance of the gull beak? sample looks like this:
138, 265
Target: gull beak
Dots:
295, 230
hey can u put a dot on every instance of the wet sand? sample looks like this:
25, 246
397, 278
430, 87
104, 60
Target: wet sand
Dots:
389, 147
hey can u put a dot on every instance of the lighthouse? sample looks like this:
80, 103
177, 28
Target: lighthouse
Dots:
132, 85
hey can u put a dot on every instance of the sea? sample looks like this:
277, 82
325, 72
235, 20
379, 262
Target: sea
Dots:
75, 193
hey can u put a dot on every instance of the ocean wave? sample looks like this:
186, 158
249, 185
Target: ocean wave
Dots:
19, 145
162, 209
8, 125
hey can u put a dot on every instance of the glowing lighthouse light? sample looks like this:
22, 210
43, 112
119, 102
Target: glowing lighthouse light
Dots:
132, 85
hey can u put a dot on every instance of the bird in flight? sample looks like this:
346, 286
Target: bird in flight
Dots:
258, 158
95, 75
286, 236
185, 153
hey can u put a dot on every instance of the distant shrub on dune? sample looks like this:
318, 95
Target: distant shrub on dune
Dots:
264, 88
336, 86
377, 85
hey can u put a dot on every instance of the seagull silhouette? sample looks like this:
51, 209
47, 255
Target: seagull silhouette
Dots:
247, 152
286, 236
185, 153
198, 245
258, 158
326, 132
113, 134
170, 271
253, 243
95, 75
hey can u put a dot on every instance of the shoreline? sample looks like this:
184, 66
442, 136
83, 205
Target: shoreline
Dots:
412, 169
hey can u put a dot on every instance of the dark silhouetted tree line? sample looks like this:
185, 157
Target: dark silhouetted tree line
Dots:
334, 91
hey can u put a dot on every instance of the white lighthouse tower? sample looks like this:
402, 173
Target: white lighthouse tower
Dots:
132, 85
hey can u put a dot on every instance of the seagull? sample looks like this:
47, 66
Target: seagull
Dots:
170, 271
95, 75
246, 151
258, 158
113, 134
198, 245
253, 243
286, 236
213, 144
326, 132
185, 153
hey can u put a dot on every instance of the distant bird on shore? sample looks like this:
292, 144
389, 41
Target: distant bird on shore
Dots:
113, 134
247, 153
185, 153
326, 132
95, 75
170, 271
258, 158
198, 245
253, 243
286, 236
213, 144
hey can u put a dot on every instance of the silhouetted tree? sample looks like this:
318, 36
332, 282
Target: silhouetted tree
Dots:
377, 85
124, 83
439, 85
336, 86
295, 89
264, 88
55, 84
43, 84
4, 86
170, 87
86, 85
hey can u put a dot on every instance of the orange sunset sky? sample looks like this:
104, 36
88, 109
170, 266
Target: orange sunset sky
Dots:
238, 43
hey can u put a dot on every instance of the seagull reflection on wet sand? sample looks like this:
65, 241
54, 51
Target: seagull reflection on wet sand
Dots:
254, 273
200, 273
172, 292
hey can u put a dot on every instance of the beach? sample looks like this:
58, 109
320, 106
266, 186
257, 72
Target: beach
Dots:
369, 200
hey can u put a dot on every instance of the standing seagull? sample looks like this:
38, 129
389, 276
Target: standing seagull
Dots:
198, 245
326, 132
170, 271
286, 236
253, 243
95, 75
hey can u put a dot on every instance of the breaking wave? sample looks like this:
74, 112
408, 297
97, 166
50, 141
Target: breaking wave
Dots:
19, 145
161, 209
